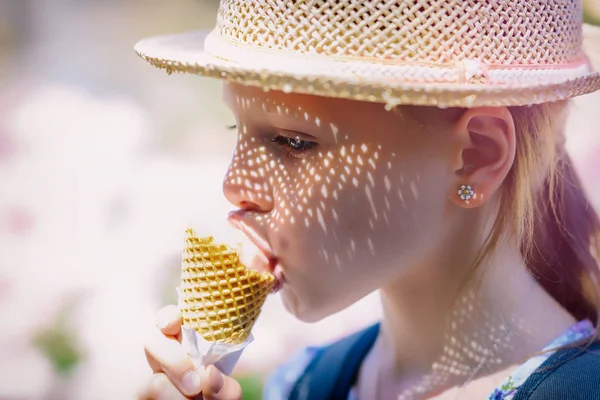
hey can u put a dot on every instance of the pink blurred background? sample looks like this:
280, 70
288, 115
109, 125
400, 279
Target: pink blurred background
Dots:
104, 161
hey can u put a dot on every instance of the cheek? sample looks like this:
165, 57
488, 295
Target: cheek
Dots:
340, 221
345, 229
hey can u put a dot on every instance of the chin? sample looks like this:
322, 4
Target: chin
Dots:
309, 312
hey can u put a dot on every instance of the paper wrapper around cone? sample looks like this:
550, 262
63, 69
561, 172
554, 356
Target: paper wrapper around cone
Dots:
219, 300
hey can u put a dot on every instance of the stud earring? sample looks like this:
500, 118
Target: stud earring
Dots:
466, 193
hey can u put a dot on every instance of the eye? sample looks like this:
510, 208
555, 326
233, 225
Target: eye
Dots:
296, 147
298, 144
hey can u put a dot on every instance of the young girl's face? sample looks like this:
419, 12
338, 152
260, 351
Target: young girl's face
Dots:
348, 196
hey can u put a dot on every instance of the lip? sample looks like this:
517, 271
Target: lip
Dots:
236, 220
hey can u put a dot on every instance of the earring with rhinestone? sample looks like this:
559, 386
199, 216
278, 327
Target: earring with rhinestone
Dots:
466, 193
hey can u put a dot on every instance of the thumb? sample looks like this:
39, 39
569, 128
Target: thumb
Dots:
217, 386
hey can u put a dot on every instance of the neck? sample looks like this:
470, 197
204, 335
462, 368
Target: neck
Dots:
439, 332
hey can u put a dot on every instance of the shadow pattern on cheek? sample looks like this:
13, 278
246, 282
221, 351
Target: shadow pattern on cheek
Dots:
345, 200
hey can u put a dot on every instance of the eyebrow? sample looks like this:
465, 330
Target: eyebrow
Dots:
230, 101
294, 114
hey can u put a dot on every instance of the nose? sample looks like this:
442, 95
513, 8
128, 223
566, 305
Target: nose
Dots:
246, 186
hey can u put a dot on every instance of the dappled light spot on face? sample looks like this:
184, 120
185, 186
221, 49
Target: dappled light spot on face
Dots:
321, 220
401, 197
324, 192
370, 178
371, 202
338, 262
413, 189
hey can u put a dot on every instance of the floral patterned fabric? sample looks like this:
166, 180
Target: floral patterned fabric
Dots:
280, 384
511, 385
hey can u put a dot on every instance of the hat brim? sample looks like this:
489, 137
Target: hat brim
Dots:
270, 70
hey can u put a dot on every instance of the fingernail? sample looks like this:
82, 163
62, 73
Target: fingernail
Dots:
216, 380
162, 321
190, 383
162, 324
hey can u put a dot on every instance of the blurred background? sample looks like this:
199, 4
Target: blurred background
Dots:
104, 161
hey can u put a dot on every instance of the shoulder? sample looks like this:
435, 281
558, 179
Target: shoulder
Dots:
281, 382
569, 374
333, 359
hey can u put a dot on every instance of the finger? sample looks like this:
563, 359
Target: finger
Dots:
217, 386
159, 387
166, 355
168, 320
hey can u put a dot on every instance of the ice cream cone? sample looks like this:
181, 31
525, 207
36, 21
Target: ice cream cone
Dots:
218, 296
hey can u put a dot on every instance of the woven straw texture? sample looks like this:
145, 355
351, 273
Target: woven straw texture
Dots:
423, 31
429, 52
219, 297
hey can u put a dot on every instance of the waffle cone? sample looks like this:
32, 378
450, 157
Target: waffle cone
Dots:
218, 296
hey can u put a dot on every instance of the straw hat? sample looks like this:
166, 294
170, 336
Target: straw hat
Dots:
445, 53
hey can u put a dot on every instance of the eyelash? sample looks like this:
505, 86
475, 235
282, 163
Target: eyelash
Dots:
294, 147
286, 144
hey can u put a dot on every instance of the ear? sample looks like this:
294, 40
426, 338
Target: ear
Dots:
487, 146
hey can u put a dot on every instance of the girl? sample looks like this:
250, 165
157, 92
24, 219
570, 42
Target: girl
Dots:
414, 147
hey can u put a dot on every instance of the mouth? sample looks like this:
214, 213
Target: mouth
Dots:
265, 260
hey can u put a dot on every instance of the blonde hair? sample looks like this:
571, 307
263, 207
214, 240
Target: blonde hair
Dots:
543, 205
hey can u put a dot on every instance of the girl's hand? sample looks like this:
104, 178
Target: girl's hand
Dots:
175, 377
